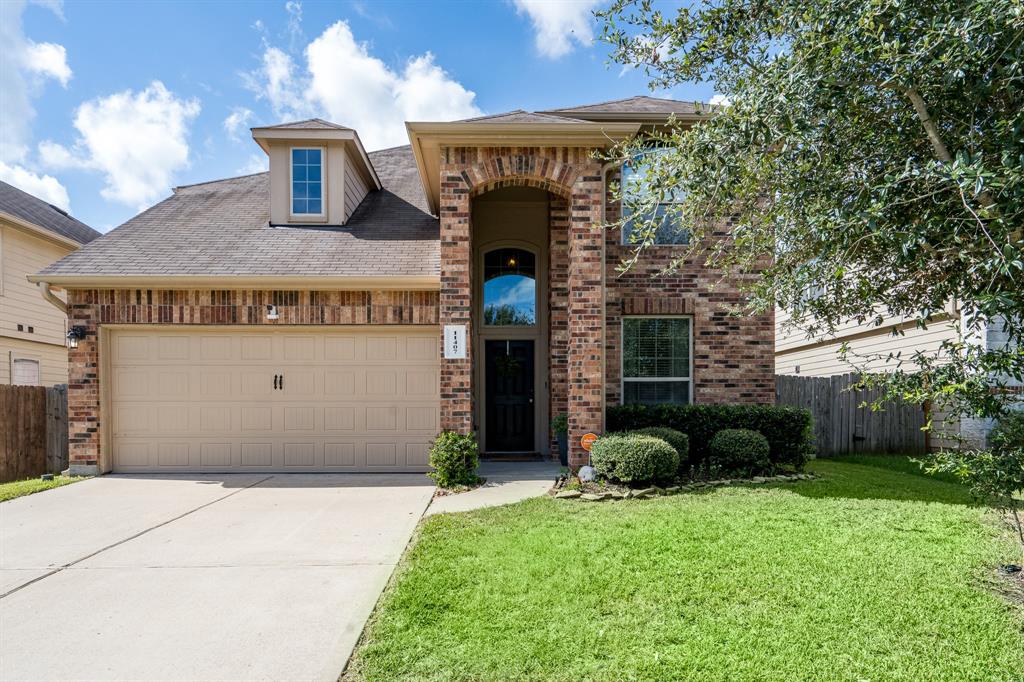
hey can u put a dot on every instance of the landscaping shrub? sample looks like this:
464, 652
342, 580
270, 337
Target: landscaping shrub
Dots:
454, 457
739, 452
1008, 433
633, 458
788, 429
676, 439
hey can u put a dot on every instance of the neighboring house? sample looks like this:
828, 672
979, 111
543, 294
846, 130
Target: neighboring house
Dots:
335, 313
33, 234
885, 347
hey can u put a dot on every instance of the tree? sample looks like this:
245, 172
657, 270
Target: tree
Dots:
873, 148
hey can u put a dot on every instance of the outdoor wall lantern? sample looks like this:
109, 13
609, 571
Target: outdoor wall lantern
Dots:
272, 312
75, 334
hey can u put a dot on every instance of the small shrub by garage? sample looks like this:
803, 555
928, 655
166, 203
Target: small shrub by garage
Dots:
676, 439
788, 429
739, 452
633, 458
455, 458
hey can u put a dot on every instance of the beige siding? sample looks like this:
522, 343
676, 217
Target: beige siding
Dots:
53, 360
818, 359
355, 188
21, 303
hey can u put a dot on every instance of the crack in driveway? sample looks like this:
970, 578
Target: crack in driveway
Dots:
70, 564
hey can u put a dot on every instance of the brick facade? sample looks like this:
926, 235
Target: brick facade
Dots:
93, 308
573, 175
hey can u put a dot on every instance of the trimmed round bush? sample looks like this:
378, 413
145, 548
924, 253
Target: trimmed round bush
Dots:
454, 457
677, 439
633, 458
740, 452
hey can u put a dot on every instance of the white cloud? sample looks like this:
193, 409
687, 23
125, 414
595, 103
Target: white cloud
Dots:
45, 187
257, 163
237, 122
344, 83
24, 68
559, 24
720, 99
137, 139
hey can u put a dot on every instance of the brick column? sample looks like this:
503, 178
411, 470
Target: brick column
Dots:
558, 310
586, 314
456, 286
84, 387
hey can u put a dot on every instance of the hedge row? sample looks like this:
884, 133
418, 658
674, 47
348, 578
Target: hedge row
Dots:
788, 429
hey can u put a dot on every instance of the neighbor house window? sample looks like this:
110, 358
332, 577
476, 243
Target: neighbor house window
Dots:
510, 288
656, 355
634, 183
25, 372
307, 182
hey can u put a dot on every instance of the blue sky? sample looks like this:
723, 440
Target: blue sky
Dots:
106, 106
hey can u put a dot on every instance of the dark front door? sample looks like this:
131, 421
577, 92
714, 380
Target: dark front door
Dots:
509, 402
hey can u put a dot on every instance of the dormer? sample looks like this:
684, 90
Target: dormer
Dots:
319, 172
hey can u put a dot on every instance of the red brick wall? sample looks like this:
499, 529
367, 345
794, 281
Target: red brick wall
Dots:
733, 355
558, 311
92, 308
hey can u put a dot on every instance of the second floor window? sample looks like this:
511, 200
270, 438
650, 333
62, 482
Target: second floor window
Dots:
307, 182
635, 183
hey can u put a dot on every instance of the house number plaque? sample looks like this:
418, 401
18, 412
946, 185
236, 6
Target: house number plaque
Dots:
455, 342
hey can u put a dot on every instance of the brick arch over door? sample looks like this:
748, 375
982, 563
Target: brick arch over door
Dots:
572, 174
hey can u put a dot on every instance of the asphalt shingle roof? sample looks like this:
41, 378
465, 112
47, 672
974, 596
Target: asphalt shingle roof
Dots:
222, 228
47, 216
308, 124
521, 116
641, 104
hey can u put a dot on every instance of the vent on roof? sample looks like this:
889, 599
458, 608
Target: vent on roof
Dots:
60, 210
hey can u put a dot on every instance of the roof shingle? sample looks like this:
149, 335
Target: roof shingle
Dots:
222, 228
47, 216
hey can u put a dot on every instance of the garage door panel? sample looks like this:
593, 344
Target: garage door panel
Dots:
365, 399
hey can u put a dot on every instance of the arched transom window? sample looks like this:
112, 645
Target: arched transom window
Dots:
510, 288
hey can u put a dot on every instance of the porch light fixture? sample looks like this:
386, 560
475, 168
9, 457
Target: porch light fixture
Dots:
512, 261
75, 334
272, 312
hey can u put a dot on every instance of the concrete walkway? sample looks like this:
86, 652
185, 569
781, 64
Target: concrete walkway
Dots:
240, 577
507, 482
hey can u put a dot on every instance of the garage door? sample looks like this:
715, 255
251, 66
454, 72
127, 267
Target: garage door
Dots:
361, 399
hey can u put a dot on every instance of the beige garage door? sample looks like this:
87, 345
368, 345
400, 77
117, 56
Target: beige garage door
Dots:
361, 399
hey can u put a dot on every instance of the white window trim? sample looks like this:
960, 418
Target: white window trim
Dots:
295, 217
622, 356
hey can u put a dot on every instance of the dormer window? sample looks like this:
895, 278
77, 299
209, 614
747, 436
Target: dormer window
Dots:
307, 181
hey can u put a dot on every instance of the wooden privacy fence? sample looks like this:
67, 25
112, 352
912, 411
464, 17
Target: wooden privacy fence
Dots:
33, 431
842, 427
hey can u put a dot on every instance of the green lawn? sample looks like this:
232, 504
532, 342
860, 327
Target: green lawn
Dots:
865, 574
8, 491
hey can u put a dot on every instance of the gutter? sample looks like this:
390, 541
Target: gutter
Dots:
51, 298
326, 283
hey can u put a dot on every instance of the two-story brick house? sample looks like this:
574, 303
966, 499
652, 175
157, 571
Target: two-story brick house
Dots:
335, 313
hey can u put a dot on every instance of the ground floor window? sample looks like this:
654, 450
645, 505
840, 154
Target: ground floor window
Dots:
25, 372
656, 360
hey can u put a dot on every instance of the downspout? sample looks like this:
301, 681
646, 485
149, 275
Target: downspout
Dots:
51, 298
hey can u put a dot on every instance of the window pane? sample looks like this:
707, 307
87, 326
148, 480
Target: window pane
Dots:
298, 206
298, 173
655, 347
313, 156
313, 190
656, 392
298, 190
313, 207
510, 287
298, 156
313, 173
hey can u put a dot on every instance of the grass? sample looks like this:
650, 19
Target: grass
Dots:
865, 574
8, 491
904, 463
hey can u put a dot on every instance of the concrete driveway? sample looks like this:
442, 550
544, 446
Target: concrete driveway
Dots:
240, 577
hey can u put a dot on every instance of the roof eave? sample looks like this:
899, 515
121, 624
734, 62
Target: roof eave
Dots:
323, 282
40, 231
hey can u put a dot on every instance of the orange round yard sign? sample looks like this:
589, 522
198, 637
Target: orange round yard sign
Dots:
588, 441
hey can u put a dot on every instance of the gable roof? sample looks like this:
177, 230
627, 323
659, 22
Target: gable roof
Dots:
637, 106
521, 116
222, 229
308, 124
27, 208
